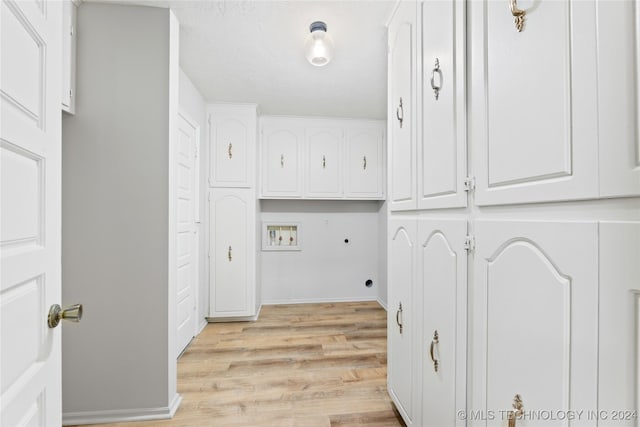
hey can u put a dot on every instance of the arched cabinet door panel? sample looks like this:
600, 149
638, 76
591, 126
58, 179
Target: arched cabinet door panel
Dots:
281, 157
535, 304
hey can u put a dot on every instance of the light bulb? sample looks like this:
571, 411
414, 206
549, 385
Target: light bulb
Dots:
319, 46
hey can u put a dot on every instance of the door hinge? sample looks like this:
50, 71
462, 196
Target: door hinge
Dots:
470, 183
469, 242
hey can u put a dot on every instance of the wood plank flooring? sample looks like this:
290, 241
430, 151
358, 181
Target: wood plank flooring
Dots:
311, 365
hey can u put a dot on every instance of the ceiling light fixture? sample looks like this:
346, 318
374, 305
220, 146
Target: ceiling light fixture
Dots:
319, 46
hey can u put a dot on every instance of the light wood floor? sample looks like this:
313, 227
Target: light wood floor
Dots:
302, 365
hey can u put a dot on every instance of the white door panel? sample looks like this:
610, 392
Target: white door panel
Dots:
619, 333
185, 191
534, 300
30, 86
281, 154
619, 124
402, 146
324, 173
443, 277
230, 151
401, 325
533, 103
364, 163
443, 149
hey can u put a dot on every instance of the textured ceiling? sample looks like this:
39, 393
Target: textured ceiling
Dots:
252, 51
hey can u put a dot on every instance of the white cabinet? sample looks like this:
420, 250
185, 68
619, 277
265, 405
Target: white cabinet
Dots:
401, 357
442, 152
401, 113
535, 305
324, 157
343, 158
233, 145
232, 251
364, 168
281, 152
618, 74
442, 279
69, 10
619, 312
533, 120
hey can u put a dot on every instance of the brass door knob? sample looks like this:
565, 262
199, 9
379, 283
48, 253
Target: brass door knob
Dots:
56, 314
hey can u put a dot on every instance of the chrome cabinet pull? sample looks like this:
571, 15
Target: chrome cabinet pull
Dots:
229, 150
400, 113
434, 341
518, 15
324, 162
518, 410
229, 254
399, 320
281, 160
364, 163
436, 87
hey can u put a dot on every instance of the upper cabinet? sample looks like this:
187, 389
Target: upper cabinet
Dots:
68, 96
281, 153
442, 167
364, 168
401, 107
323, 162
619, 73
233, 140
533, 102
343, 158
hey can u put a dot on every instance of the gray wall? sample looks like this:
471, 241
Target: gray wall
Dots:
116, 199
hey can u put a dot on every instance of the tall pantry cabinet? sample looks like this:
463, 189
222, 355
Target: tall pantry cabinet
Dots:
232, 211
514, 211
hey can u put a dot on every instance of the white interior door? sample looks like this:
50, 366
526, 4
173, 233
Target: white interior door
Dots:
186, 290
30, 376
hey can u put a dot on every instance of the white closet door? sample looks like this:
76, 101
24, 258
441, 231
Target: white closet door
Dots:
442, 151
30, 200
401, 326
619, 333
533, 110
401, 113
442, 272
619, 97
535, 305
324, 158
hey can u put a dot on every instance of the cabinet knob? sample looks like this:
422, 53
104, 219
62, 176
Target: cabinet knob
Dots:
399, 320
364, 163
229, 254
230, 150
324, 162
518, 15
434, 341
436, 71
281, 160
400, 113
518, 410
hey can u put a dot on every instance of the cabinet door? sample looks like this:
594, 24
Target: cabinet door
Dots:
619, 124
281, 155
232, 247
443, 277
619, 322
232, 150
402, 147
535, 305
324, 178
533, 111
400, 321
364, 164
442, 153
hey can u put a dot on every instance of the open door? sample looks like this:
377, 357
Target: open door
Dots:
30, 377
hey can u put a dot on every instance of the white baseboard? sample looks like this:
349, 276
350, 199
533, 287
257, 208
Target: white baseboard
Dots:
202, 325
235, 319
382, 304
316, 300
122, 415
